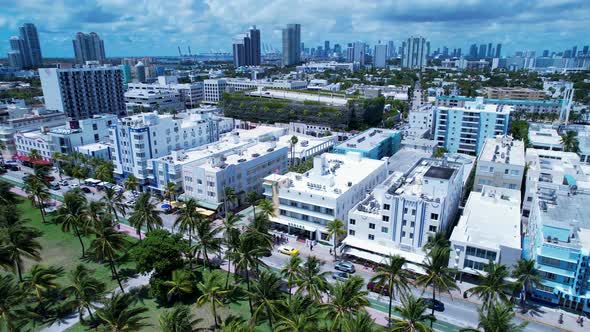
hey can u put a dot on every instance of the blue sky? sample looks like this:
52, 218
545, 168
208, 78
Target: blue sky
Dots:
151, 27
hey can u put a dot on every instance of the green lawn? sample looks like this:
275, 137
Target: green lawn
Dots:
63, 249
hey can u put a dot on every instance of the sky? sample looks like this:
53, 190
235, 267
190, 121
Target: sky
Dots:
153, 27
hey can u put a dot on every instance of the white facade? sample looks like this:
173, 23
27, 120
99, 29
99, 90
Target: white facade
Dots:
75, 133
35, 140
544, 137
489, 229
213, 89
379, 55
401, 213
150, 100
306, 146
191, 94
139, 138
305, 203
95, 150
500, 164
421, 121
83, 92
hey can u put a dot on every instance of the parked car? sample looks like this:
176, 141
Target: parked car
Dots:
63, 183
14, 168
438, 305
373, 287
289, 251
345, 266
54, 186
130, 202
341, 276
86, 190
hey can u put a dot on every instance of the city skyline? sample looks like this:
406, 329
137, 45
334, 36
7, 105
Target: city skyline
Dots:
211, 26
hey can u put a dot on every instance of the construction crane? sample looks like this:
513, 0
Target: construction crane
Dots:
179, 52
566, 104
189, 51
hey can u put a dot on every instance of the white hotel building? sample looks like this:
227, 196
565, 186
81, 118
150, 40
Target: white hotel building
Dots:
306, 202
139, 138
500, 164
489, 229
399, 215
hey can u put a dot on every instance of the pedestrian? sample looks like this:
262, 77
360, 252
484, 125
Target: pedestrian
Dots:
330, 251
311, 247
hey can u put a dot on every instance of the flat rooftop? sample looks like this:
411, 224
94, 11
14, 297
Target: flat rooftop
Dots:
368, 139
248, 153
339, 173
94, 146
334, 99
304, 142
404, 159
481, 108
439, 172
544, 136
505, 101
491, 219
503, 149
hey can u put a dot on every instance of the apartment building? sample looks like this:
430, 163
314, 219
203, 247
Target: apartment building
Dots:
500, 164
34, 140
520, 106
144, 100
213, 89
544, 137
81, 93
139, 138
191, 94
400, 213
305, 203
421, 121
464, 129
306, 147
488, 230
374, 143
514, 93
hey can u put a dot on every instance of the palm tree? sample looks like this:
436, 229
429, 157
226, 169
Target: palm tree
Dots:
299, 313
267, 208
493, 287
57, 157
252, 198
34, 155
179, 319
120, 314
230, 238
336, 231
187, 221
71, 215
170, 191
213, 291
246, 256
79, 173
291, 271
19, 242
346, 298
393, 277
38, 193
145, 214
527, 276
265, 294
95, 215
12, 316
437, 274
569, 141
311, 280
360, 321
105, 247
207, 240
86, 289
131, 183
113, 201
293, 142
42, 279
413, 313
179, 284
104, 171
7, 197
229, 196
439, 239
498, 317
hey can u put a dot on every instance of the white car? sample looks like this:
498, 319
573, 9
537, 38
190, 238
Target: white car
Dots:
74, 185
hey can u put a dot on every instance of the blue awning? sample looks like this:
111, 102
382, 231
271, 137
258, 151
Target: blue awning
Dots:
570, 180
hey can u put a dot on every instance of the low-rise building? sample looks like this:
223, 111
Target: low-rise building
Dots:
191, 94
138, 100
374, 143
544, 137
421, 121
514, 93
464, 129
306, 146
64, 139
306, 203
95, 150
399, 214
34, 140
500, 164
488, 230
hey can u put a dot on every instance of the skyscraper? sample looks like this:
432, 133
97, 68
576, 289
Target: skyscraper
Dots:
473, 51
498, 50
291, 44
545, 53
337, 48
379, 55
246, 48
482, 51
25, 49
88, 47
574, 51
358, 53
414, 52
490, 51
585, 50
390, 49
327, 47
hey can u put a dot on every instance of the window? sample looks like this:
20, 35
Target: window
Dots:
371, 237
403, 234
386, 206
411, 235
351, 232
405, 210
413, 212
491, 169
506, 171
529, 199
384, 230
352, 222
511, 186
514, 172
412, 224
371, 226
199, 181
386, 218
434, 216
